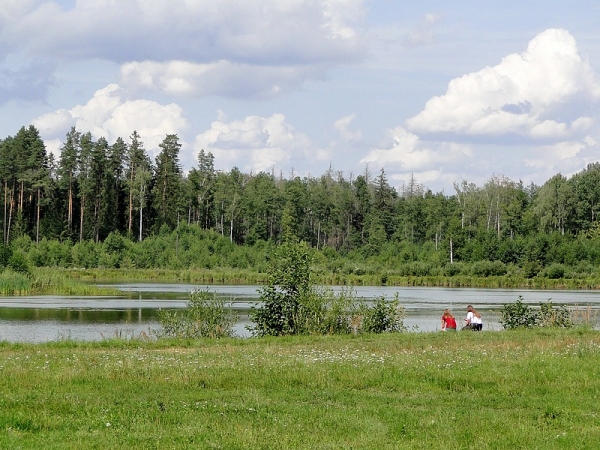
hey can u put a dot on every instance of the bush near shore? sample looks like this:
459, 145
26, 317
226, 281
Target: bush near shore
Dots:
513, 389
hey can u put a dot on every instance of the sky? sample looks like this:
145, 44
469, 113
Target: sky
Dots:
441, 92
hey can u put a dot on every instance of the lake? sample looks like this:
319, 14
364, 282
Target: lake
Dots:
50, 318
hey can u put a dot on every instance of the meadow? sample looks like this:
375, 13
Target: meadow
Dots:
511, 389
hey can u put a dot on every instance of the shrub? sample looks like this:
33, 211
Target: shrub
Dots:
383, 316
290, 304
288, 282
531, 269
5, 254
520, 315
454, 269
18, 263
555, 271
554, 317
205, 316
324, 312
488, 268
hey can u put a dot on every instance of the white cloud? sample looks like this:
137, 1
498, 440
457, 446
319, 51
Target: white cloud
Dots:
423, 34
527, 94
252, 49
108, 114
342, 126
271, 31
255, 143
566, 157
405, 151
225, 78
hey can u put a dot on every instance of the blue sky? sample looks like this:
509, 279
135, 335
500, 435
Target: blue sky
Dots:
442, 91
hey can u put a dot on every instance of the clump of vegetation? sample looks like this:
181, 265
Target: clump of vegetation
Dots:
383, 316
519, 315
290, 304
206, 316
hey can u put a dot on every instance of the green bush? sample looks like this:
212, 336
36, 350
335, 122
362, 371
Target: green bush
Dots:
555, 271
5, 254
454, 269
519, 315
531, 269
549, 316
488, 268
288, 284
383, 316
18, 263
205, 316
290, 304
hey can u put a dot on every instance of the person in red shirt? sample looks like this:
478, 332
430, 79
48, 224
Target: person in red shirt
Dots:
448, 321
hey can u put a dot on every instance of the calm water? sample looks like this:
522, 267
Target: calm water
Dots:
48, 318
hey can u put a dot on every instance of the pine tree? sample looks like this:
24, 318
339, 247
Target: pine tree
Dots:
166, 192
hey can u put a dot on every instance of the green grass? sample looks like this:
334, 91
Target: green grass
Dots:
250, 277
490, 390
47, 281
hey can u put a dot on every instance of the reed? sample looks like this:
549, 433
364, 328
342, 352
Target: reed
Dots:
321, 276
13, 283
46, 281
584, 315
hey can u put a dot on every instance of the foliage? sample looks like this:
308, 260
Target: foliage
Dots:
520, 315
550, 316
555, 271
18, 263
288, 286
59, 213
291, 305
206, 316
383, 316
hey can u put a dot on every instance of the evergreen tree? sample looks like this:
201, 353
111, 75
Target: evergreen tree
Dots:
85, 180
166, 193
67, 173
138, 167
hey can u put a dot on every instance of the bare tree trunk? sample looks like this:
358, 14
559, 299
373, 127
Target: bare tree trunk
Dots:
10, 210
318, 234
81, 218
37, 219
96, 226
4, 230
70, 207
141, 213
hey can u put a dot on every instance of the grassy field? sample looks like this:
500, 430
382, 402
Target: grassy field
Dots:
491, 390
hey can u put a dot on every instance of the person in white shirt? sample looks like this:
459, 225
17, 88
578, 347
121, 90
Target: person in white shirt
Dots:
473, 320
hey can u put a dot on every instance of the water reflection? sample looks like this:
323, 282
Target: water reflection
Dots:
47, 318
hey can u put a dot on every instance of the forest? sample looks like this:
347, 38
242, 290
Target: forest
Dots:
108, 205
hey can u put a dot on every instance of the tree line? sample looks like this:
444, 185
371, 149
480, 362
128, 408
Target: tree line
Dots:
96, 188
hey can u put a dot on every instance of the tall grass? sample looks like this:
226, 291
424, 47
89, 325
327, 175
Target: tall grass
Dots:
14, 283
250, 277
46, 281
584, 315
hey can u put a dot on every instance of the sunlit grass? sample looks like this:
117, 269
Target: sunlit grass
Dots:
524, 389
250, 277
47, 281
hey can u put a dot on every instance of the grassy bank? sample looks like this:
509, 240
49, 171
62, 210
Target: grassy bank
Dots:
243, 276
529, 389
47, 282
60, 281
